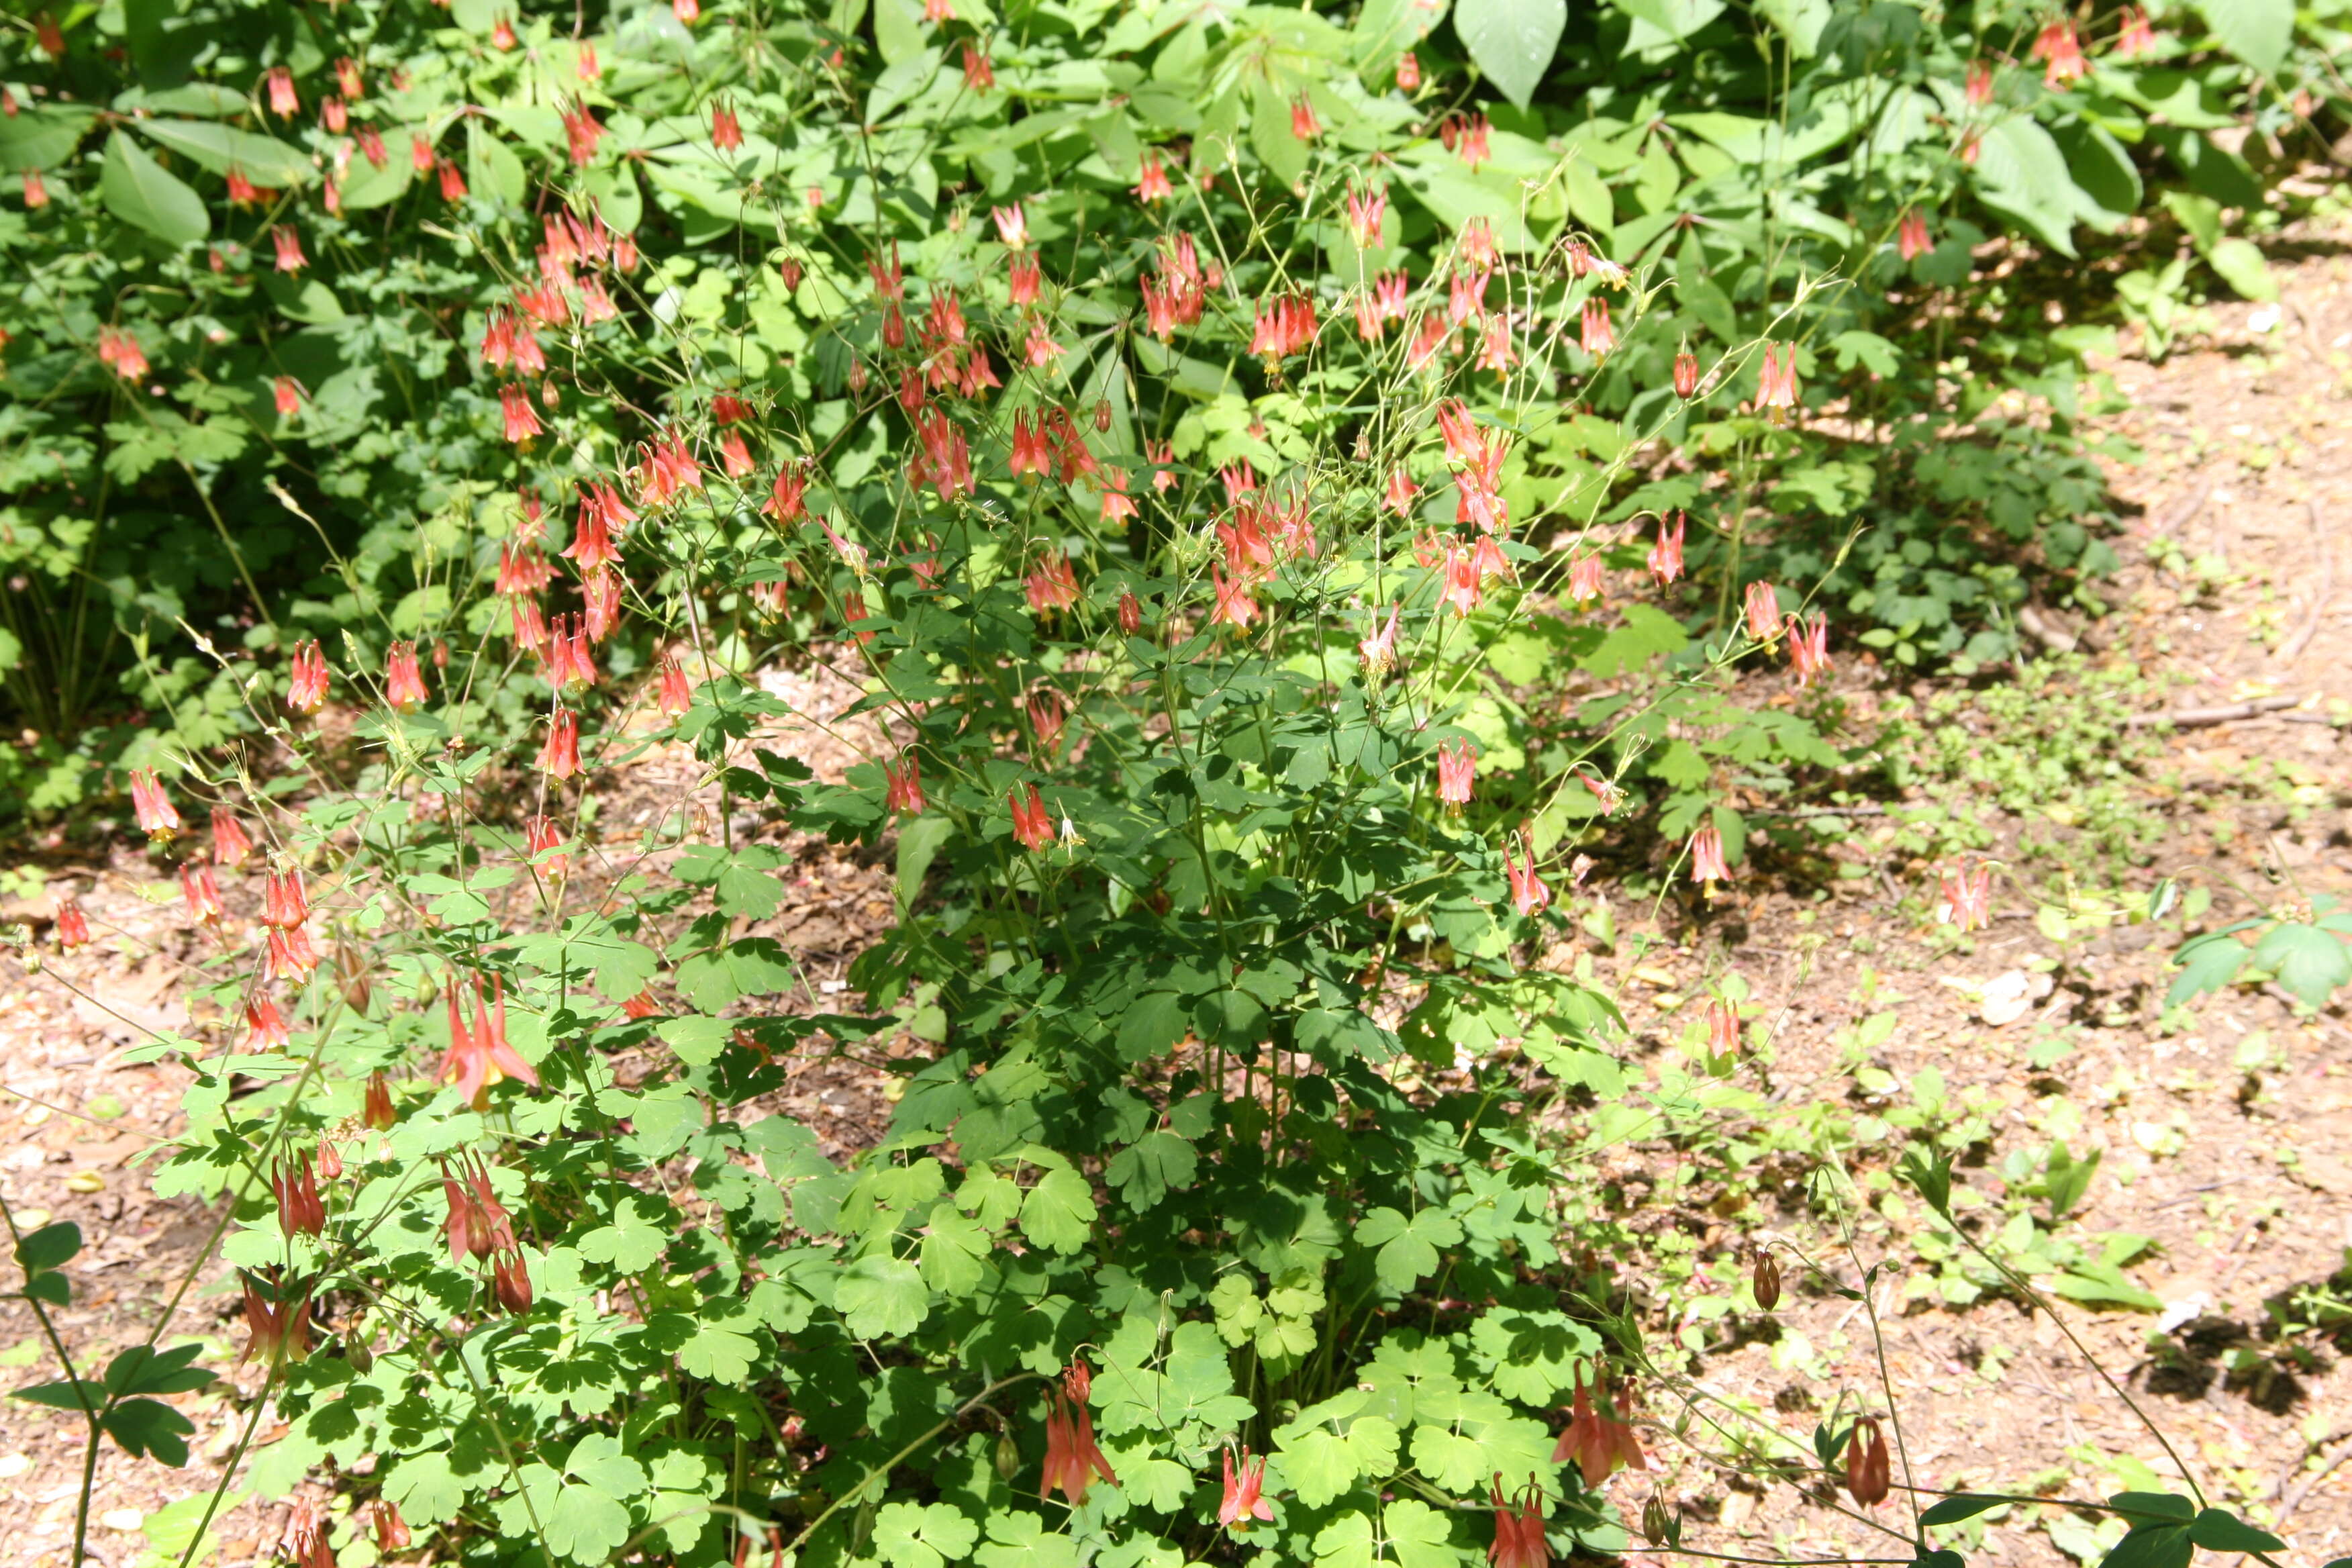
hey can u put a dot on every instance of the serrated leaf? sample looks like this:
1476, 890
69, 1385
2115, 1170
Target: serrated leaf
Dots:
598, 1460
880, 1296
2309, 962
923, 1535
1059, 1212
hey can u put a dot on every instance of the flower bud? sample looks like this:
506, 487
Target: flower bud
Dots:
1102, 414
1767, 1283
1008, 1455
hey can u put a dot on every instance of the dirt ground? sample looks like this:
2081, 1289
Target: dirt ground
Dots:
2235, 577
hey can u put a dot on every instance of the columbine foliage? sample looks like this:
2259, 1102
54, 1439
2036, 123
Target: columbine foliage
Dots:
1215, 440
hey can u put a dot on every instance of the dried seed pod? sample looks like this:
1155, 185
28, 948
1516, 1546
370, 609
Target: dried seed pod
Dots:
1653, 1519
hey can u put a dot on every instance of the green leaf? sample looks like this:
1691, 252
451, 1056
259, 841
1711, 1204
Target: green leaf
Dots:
584, 1523
923, 1535
52, 1246
720, 1355
1953, 1509
68, 1394
2244, 268
1512, 41
1059, 1212
2310, 963
1018, 1539
1409, 1249
42, 136
633, 1242
1153, 1165
954, 1246
2218, 1530
139, 191
2207, 963
2152, 1546
149, 1428
880, 1296
2256, 31
598, 1460
220, 148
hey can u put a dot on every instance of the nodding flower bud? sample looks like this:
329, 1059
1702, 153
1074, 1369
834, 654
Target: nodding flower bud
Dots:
1767, 1282
1655, 1525
1686, 373
158, 817
512, 1281
1130, 612
300, 1210
377, 1113
73, 926
230, 845
1868, 1474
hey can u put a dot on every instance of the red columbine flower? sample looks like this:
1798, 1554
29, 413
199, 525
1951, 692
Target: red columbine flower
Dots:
1966, 897
1722, 1029
1380, 649
668, 469
1776, 387
1809, 646
265, 1027
903, 789
480, 1057
1911, 241
200, 892
1598, 1443
1072, 1459
283, 102
1586, 577
376, 1110
599, 598
1763, 611
510, 1282
1979, 84
890, 276
1153, 185
583, 130
1468, 135
1303, 123
1116, 506
1053, 585
1528, 894
420, 152
542, 834
726, 132
158, 818
300, 1210
1707, 864
1455, 774
1867, 1475
1407, 72
560, 755
1042, 352
1011, 226
1600, 338
735, 455
288, 393
285, 903
1025, 275
37, 194
1666, 555
1130, 612
391, 1530
274, 1328
348, 77
122, 351
2061, 54
502, 35
230, 845
477, 1224
2132, 35
979, 72
676, 692
404, 683
453, 181
729, 409
786, 502
521, 421
1244, 1497
1519, 1533
569, 661
1686, 373
306, 680
1464, 589
1495, 351
688, 12
1032, 826
370, 145
287, 953
49, 35
73, 926
1046, 718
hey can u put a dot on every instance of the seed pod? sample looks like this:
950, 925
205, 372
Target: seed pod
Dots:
1102, 414
1008, 1455
1867, 1476
1767, 1282
1653, 1519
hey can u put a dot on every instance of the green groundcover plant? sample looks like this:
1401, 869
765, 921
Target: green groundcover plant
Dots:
1294, 487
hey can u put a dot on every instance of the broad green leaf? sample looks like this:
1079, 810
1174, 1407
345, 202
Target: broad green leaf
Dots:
2256, 31
923, 1535
139, 191
1409, 1249
1512, 41
880, 1296
149, 1428
263, 159
52, 1246
1952, 1509
1059, 1212
2310, 963
598, 1460
2218, 1530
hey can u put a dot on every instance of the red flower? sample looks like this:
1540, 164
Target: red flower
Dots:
1466, 135
305, 681
1598, 1443
1130, 612
1707, 864
1380, 649
1722, 1029
1455, 773
688, 12
285, 903
785, 503
511, 1281
1519, 1533
230, 845
541, 834
1686, 373
903, 791
1303, 123
391, 1530
1012, 225
520, 420
1046, 718
676, 692
1464, 588
1072, 1459
1763, 611
477, 1224
1408, 73
2061, 54
1032, 826
726, 132
1600, 338
482, 1056
371, 142
1911, 241
37, 194
583, 130
73, 925
1528, 894
157, 815
502, 35
453, 181
1053, 585
404, 683
560, 755
1776, 387
1966, 895
300, 1210
2132, 35
274, 1328
122, 351
288, 955
1024, 277
735, 455
1153, 186
1666, 555
377, 1111
1236, 605
1244, 1497
279, 80
978, 73
1809, 646
348, 77
49, 35
288, 393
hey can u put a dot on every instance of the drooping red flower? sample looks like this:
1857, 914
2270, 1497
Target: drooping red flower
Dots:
1153, 185
279, 82
1599, 337
274, 1327
300, 1210
480, 1056
377, 1111
306, 679
200, 892
1776, 387
1529, 896
1408, 73
1809, 645
1967, 897
676, 690
559, 756
978, 71
1598, 1441
1867, 1472
1686, 373
2059, 50
1763, 607
1053, 585
1033, 828
903, 789
1707, 863
1519, 1540
1245, 1495
1455, 774
1911, 241
404, 682
73, 925
1072, 1459
453, 180
1667, 553
726, 130
158, 817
